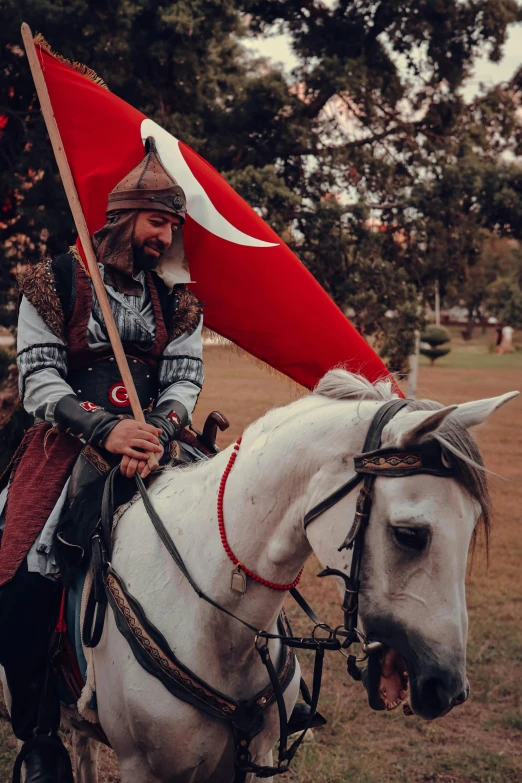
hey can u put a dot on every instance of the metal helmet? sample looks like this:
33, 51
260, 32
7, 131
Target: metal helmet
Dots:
149, 186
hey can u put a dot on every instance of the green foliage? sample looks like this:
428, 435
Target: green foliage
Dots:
434, 342
505, 300
381, 177
12, 433
435, 335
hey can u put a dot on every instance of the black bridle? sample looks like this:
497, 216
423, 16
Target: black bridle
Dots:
374, 461
355, 538
371, 463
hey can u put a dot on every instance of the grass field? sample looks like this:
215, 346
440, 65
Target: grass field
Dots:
478, 353
480, 742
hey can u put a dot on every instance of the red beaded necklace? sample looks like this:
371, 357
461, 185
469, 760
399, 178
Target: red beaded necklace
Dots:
221, 524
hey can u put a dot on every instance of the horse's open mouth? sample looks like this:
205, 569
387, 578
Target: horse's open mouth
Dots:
387, 681
393, 685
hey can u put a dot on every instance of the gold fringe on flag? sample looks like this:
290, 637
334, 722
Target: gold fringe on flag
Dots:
213, 338
40, 41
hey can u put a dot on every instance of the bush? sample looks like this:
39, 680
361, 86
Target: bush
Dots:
435, 335
434, 342
11, 435
6, 359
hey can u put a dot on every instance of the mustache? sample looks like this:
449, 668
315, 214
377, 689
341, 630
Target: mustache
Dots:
157, 244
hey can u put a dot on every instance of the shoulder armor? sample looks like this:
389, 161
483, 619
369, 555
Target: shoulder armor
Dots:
38, 285
187, 314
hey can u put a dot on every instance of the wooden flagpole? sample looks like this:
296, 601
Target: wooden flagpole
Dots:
81, 227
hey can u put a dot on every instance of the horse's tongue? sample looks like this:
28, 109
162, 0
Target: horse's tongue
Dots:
392, 684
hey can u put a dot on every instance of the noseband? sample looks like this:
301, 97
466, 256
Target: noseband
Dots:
371, 463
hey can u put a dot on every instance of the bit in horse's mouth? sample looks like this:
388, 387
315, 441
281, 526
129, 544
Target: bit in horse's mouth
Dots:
394, 681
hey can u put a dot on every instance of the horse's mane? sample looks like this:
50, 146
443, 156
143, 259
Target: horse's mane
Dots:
467, 462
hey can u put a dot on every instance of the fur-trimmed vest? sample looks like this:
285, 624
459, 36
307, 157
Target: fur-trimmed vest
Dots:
60, 291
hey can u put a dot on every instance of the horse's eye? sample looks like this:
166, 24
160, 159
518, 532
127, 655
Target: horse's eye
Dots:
414, 538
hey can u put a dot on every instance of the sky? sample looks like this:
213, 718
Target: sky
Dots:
278, 49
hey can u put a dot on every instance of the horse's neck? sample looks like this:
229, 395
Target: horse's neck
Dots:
284, 465
261, 518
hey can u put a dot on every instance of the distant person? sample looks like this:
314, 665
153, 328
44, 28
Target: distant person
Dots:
506, 343
498, 338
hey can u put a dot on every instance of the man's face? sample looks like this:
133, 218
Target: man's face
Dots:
152, 235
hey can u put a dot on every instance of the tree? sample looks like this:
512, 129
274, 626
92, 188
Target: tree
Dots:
503, 295
499, 259
368, 160
398, 146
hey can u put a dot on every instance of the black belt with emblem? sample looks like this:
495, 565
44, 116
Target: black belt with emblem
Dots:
101, 383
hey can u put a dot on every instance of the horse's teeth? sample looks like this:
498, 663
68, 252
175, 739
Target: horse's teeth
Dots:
383, 691
405, 675
402, 694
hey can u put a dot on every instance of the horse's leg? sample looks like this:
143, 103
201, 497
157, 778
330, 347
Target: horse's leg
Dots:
7, 699
137, 768
85, 757
7, 695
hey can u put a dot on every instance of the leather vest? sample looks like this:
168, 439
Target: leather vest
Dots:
60, 291
94, 374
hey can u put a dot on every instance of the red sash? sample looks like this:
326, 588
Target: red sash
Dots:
40, 467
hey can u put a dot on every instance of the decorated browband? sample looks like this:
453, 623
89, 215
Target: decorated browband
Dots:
425, 458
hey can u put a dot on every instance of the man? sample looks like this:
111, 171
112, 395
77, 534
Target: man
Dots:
70, 382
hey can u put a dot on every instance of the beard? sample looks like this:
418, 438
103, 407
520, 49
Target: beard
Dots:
144, 259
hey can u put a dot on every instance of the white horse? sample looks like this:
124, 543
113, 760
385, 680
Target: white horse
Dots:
412, 580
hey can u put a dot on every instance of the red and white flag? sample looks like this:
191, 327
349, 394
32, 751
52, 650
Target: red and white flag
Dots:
255, 291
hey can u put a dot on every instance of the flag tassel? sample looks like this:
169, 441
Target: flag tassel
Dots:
45, 46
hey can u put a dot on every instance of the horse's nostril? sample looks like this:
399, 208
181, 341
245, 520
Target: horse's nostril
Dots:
461, 698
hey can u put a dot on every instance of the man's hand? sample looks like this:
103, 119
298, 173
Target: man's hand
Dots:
134, 440
129, 467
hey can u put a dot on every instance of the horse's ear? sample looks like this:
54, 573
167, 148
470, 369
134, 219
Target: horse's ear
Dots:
470, 414
412, 428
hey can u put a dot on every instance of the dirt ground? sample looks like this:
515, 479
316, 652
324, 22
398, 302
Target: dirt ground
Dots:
480, 742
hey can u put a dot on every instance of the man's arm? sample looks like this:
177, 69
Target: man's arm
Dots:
181, 372
45, 393
180, 380
42, 364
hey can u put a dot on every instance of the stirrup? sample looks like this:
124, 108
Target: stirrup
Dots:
44, 741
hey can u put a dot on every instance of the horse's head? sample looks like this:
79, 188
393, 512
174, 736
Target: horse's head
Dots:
415, 550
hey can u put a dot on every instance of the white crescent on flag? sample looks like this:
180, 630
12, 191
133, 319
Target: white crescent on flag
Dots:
199, 206
255, 291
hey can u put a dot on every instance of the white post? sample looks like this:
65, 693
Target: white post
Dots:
437, 303
414, 368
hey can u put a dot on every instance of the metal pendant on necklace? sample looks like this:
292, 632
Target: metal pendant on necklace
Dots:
238, 581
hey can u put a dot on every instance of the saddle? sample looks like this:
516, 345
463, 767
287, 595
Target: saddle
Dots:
82, 510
